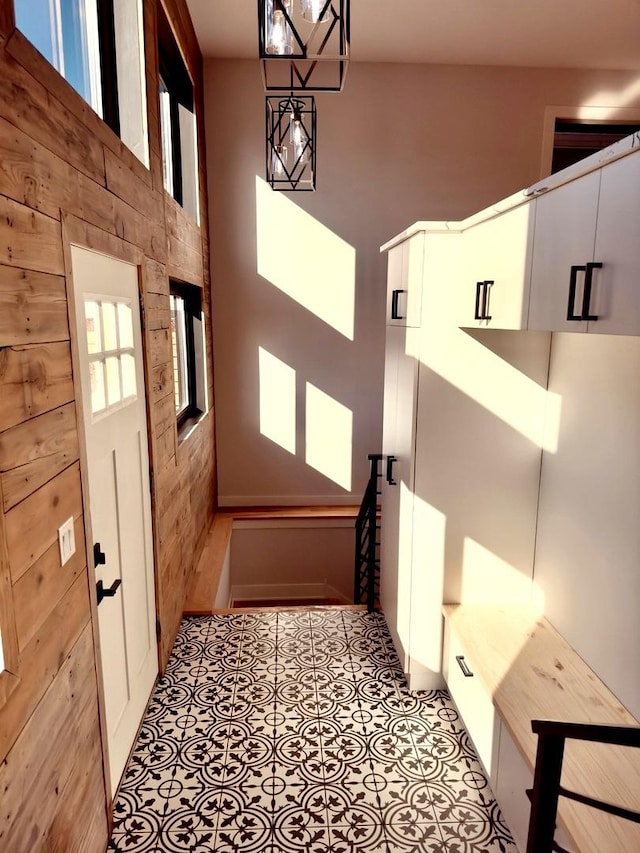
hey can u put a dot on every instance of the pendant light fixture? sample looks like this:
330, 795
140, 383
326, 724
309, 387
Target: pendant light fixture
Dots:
291, 142
304, 44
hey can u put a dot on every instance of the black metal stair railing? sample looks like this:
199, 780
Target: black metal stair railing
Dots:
367, 562
546, 783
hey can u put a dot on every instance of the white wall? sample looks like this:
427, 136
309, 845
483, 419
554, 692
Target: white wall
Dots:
588, 545
401, 143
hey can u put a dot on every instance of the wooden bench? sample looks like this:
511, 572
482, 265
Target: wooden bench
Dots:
205, 581
528, 671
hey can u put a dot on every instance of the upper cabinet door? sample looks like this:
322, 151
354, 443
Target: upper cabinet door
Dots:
616, 286
404, 282
497, 270
563, 248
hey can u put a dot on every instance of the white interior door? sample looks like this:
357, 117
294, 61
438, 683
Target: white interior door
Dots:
114, 405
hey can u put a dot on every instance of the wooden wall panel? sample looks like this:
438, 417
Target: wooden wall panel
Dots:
32, 526
33, 379
64, 172
44, 584
42, 659
26, 103
39, 768
28, 239
35, 451
33, 307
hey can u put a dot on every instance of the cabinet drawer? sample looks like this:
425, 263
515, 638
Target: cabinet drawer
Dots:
473, 702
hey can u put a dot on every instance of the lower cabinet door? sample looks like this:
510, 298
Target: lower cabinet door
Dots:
473, 702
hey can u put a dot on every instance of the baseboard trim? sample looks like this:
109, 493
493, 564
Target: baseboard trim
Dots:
288, 500
294, 591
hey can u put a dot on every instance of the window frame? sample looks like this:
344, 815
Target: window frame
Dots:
196, 405
174, 81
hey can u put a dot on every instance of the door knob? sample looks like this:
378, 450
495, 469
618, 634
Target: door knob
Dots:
101, 592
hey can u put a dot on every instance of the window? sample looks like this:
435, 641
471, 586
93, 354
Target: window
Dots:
188, 348
110, 349
177, 122
97, 46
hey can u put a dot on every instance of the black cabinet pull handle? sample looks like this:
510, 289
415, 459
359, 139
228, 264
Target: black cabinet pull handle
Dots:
485, 300
395, 295
463, 666
571, 304
101, 592
477, 315
482, 293
99, 557
586, 296
390, 461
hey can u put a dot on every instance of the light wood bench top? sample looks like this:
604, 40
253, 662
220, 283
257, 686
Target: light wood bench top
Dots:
531, 672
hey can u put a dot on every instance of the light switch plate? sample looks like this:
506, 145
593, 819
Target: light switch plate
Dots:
67, 541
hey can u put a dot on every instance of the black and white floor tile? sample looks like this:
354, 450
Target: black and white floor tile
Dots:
284, 732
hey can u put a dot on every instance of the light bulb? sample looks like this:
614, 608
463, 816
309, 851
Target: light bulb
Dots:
311, 10
279, 36
279, 160
298, 136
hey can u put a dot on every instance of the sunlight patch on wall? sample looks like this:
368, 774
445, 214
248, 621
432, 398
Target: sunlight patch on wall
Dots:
429, 540
305, 259
329, 436
621, 98
488, 579
493, 383
277, 400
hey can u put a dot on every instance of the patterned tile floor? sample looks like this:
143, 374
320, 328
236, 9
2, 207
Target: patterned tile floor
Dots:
280, 732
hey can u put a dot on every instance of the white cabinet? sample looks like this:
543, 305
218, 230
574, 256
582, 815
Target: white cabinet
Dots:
398, 444
586, 253
462, 436
404, 282
473, 701
497, 263
404, 298
616, 289
564, 239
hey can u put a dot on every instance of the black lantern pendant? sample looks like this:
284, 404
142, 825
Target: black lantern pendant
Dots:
291, 143
304, 44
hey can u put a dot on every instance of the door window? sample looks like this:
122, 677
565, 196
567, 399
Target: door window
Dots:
112, 362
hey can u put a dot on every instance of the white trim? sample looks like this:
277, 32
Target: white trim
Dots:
298, 591
289, 500
292, 523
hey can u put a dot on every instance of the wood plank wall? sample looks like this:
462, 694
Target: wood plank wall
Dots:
59, 160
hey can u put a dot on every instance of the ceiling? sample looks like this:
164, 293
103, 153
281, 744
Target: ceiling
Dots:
539, 33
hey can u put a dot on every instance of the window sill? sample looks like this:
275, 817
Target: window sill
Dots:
188, 426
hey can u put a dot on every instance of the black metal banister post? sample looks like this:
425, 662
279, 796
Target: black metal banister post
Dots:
366, 558
547, 789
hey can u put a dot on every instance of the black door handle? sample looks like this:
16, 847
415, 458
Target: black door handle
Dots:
101, 592
390, 461
586, 296
395, 295
99, 557
571, 305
